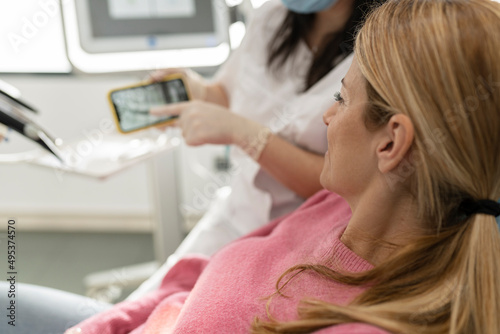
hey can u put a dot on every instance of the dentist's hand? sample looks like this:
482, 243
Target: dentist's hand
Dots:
208, 123
197, 85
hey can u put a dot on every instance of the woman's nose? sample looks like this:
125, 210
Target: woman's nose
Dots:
327, 115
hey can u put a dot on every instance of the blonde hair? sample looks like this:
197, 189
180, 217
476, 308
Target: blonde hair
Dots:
437, 62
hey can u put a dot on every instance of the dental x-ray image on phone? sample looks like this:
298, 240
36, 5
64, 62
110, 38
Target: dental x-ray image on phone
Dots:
131, 105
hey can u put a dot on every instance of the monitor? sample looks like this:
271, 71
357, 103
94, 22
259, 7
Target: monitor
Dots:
139, 25
98, 29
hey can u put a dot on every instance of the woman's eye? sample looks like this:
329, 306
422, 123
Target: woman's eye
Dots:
338, 97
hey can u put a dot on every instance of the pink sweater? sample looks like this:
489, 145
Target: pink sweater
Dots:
224, 295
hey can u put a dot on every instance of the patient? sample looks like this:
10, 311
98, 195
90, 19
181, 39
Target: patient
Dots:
418, 165
414, 149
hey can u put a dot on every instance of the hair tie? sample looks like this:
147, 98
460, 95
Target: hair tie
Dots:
486, 206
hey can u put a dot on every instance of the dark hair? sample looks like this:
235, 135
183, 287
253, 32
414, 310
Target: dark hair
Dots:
337, 47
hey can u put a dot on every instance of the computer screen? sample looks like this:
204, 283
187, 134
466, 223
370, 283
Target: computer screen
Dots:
139, 25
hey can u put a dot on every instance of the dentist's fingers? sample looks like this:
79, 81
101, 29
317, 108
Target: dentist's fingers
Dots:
196, 84
174, 109
208, 123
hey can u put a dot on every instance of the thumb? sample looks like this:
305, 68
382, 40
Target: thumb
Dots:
174, 109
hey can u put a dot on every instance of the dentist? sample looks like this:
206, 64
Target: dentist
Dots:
266, 102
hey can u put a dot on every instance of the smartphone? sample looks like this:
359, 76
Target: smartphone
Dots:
130, 105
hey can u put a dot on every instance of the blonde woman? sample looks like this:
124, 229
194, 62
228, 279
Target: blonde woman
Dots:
414, 147
412, 246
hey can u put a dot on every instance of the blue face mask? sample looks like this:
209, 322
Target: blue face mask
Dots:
308, 6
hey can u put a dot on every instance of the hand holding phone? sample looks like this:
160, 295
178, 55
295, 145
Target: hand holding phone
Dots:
130, 105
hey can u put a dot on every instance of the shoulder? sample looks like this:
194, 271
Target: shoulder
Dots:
352, 328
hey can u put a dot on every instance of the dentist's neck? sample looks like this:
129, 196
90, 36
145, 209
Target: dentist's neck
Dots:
329, 21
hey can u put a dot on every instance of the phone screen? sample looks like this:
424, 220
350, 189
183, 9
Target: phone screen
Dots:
132, 105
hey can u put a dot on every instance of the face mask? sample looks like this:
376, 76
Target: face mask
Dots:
308, 6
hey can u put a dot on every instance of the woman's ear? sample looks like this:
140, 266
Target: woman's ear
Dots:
397, 138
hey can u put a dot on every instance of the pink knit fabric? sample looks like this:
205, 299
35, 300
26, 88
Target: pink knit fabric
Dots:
225, 294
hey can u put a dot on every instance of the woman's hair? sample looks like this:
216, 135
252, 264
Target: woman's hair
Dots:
437, 62
337, 46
